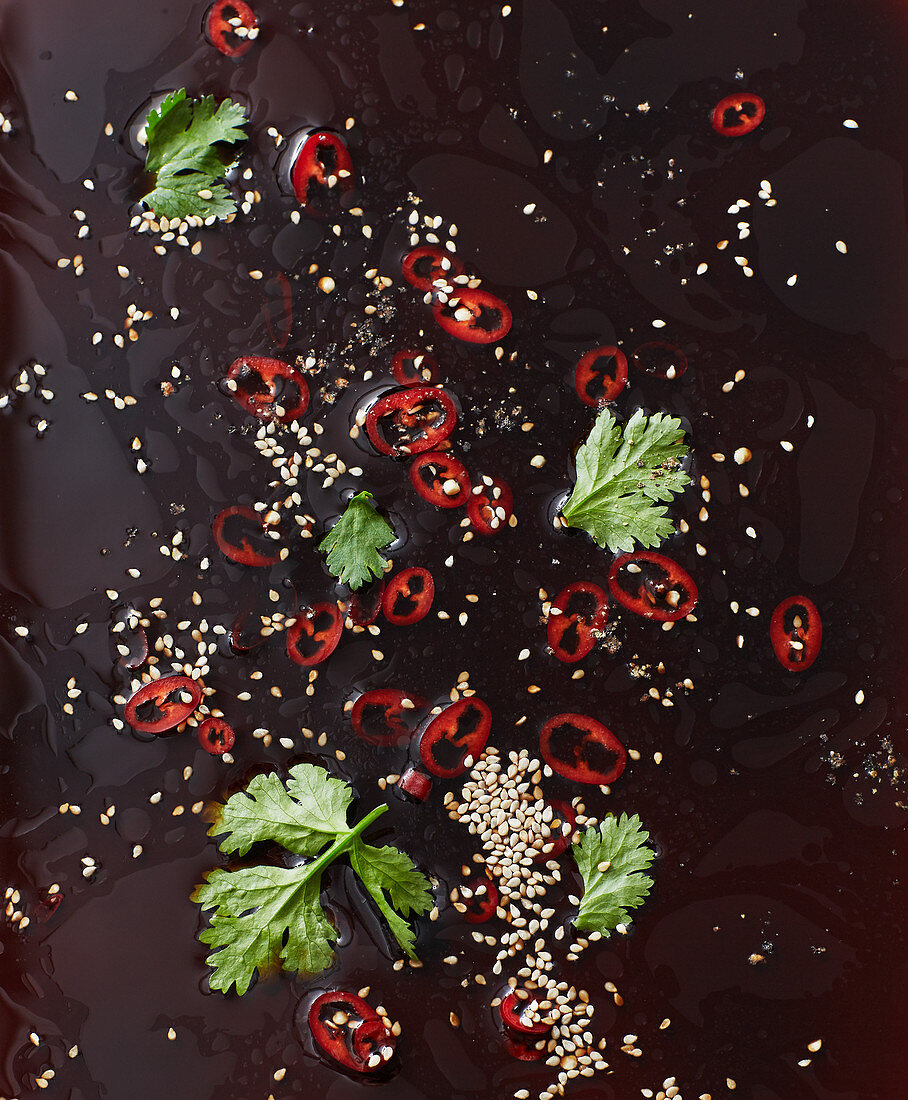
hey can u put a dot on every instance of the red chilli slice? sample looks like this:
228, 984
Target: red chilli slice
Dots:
796, 633
461, 730
160, 704
408, 596
737, 114
228, 25
315, 634
661, 360
481, 902
490, 506
322, 172
653, 586
415, 784
525, 1048
350, 1031
560, 840
377, 716
581, 612
410, 421
601, 375
441, 479
514, 1012
414, 367
474, 315
216, 736
236, 530
426, 266
365, 603
265, 385
582, 749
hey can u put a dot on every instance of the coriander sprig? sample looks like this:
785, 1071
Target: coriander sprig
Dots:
265, 917
621, 474
613, 859
190, 149
353, 543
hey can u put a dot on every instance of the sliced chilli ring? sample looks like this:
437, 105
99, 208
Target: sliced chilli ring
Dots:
490, 506
430, 268
581, 612
600, 375
268, 388
414, 367
474, 315
796, 633
560, 840
652, 585
660, 360
231, 20
377, 716
441, 479
157, 697
322, 172
233, 530
513, 1009
315, 634
364, 606
582, 749
216, 736
737, 114
461, 730
410, 421
408, 596
350, 1031
480, 899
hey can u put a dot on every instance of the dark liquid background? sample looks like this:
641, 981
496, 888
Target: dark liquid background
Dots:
777, 812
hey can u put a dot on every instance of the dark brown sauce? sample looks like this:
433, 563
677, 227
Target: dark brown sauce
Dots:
776, 811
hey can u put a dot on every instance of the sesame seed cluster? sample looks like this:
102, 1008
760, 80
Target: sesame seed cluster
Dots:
502, 803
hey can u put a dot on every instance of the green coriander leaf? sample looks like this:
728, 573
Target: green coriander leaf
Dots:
304, 816
265, 917
386, 870
612, 860
353, 543
187, 142
621, 474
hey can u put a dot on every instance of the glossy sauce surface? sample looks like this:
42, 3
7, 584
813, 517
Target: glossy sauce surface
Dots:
777, 809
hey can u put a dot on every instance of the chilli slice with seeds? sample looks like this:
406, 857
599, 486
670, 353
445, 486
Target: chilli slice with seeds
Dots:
269, 389
441, 479
162, 704
231, 26
580, 614
490, 505
796, 633
652, 585
241, 535
411, 420
322, 172
473, 315
429, 268
349, 1031
600, 375
315, 634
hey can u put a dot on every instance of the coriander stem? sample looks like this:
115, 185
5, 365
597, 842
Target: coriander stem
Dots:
344, 842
